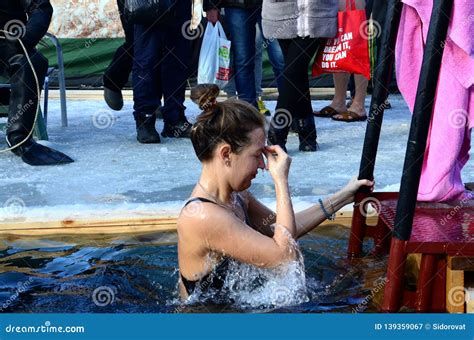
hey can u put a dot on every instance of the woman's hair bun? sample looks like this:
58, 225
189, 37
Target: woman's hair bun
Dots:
205, 95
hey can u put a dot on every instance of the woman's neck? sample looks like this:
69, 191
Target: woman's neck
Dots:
214, 185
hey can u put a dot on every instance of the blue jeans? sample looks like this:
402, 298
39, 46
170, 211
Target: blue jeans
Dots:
161, 63
274, 55
241, 24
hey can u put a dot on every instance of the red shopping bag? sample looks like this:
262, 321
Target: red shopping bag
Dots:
349, 50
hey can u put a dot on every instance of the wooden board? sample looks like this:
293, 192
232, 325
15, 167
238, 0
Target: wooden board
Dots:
111, 226
455, 295
268, 94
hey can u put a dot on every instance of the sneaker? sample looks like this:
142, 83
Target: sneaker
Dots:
180, 130
262, 108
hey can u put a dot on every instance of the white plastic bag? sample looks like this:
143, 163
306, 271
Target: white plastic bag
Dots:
214, 57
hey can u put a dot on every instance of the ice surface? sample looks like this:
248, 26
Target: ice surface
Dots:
115, 176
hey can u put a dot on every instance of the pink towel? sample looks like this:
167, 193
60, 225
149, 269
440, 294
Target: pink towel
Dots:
448, 144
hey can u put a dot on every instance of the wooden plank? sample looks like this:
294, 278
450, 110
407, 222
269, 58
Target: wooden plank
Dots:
111, 226
463, 263
268, 94
455, 295
90, 230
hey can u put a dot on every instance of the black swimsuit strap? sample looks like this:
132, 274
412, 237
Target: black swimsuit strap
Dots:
201, 199
219, 272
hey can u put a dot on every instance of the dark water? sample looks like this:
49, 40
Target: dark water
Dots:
138, 274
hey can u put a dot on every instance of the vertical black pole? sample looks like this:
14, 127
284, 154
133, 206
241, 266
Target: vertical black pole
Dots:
421, 117
382, 77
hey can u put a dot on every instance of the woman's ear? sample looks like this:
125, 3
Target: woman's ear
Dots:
224, 153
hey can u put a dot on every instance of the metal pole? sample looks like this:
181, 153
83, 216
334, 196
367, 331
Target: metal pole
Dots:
382, 77
61, 78
416, 145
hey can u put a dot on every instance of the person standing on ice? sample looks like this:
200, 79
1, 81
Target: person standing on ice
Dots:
116, 75
162, 53
222, 219
449, 136
241, 18
25, 22
300, 27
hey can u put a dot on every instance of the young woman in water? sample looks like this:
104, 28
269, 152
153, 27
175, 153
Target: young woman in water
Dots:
222, 219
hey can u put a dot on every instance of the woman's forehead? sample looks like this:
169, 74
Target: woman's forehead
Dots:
257, 137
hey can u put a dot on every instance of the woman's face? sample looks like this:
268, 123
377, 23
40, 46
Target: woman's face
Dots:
246, 163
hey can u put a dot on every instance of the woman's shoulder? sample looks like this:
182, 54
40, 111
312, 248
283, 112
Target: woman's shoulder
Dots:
199, 213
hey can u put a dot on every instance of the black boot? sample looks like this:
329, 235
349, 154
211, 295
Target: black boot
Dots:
278, 133
307, 134
146, 132
113, 99
294, 127
20, 122
180, 130
33, 153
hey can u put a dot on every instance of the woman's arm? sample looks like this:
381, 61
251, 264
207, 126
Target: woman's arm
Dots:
278, 164
221, 231
262, 217
311, 217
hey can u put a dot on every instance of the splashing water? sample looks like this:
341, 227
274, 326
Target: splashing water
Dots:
253, 287
247, 286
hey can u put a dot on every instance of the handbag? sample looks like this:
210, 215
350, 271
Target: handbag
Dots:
214, 57
147, 12
349, 50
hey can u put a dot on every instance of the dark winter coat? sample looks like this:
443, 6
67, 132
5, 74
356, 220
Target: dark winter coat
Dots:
29, 19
